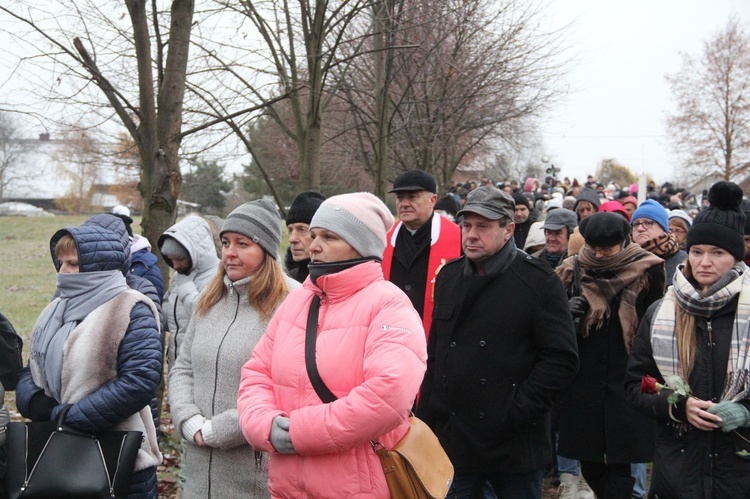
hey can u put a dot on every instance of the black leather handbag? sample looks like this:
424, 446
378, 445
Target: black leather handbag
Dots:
48, 460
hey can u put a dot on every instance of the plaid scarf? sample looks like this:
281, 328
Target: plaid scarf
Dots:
603, 279
664, 246
664, 341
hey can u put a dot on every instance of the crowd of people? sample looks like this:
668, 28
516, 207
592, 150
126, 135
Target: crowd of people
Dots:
575, 331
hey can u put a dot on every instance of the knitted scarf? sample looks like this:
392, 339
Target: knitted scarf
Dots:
664, 341
664, 246
603, 279
79, 295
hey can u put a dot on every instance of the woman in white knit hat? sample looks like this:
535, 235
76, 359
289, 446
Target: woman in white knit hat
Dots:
369, 350
229, 319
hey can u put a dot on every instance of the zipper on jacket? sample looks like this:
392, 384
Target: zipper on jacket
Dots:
216, 381
177, 329
218, 352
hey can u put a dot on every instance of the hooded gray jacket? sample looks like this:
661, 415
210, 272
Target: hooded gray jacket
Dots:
195, 235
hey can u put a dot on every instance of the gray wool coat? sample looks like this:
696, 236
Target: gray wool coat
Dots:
204, 381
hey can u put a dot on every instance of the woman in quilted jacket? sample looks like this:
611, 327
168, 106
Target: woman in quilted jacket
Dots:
96, 349
229, 320
370, 353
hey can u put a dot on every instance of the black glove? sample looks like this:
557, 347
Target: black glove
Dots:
40, 406
578, 306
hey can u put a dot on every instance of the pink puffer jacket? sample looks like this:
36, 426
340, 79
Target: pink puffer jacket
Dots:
371, 354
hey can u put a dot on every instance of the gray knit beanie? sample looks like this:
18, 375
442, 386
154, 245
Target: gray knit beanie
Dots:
173, 249
260, 221
359, 218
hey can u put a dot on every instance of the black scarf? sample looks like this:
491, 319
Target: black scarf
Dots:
319, 269
496, 263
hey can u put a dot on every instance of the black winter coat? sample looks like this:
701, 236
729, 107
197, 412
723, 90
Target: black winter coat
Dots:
500, 350
692, 463
596, 418
10, 355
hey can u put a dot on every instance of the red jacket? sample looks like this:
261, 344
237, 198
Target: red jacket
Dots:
445, 245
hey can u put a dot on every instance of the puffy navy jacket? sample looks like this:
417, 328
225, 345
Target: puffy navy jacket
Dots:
139, 356
134, 281
144, 265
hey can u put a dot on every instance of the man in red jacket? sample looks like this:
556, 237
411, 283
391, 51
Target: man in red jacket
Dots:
420, 243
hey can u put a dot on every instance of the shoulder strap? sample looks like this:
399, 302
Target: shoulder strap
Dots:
311, 336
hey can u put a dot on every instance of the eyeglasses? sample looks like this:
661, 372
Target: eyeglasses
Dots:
603, 251
677, 230
647, 224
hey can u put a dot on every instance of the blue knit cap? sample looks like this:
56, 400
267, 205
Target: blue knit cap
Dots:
652, 210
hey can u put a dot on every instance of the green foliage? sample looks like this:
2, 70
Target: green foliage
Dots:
254, 184
206, 186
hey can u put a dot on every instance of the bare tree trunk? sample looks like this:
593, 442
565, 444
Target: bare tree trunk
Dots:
383, 61
158, 135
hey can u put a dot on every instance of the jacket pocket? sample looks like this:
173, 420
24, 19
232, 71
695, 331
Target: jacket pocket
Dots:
443, 311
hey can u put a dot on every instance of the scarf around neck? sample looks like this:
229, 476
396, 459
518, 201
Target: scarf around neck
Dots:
603, 279
320, 269
496, 263
79, 295
734, 282
664, 246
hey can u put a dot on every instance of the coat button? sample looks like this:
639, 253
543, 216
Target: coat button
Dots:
453, 413
453, 344
407, 287
443, 378
482, 343
481, 415
482, 381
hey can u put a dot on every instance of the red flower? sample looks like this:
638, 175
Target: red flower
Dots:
650, 385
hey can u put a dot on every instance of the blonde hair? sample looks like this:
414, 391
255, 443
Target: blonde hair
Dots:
65, 245
267, 289
687, 344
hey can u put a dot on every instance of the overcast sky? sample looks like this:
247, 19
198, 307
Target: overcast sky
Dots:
620, 99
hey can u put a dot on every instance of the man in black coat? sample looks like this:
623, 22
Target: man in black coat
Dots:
298, 220
501, 349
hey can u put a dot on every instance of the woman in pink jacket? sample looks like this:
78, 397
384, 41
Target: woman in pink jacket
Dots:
370, 352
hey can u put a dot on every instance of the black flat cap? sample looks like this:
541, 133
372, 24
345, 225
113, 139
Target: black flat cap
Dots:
415, 180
